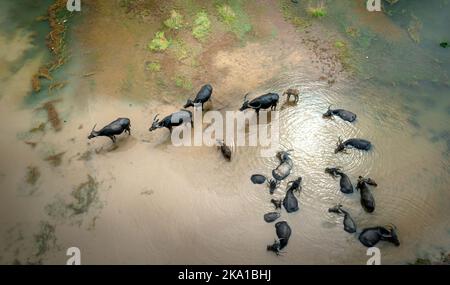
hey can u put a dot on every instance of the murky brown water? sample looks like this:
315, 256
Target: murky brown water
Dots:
160, 204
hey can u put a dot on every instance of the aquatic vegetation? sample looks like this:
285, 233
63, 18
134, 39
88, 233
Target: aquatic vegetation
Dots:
175, 22
444, 259
84, 196
290, 16
202, 26
414, 29
183, 82
318, 11
82, 199
159, 42
352, 32
153, 66
180, 49
55, 159
52, 114
444, 45
56, 86
57, 16
32, 175
40, 128
343, 54
233, 15
32, 144
87, 155
45, 239
226, 13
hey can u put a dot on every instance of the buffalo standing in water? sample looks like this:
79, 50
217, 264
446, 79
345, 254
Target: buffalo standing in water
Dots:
172, 120
349, 223
292, 92
345, 183
283, 231
269, 100
290, 202
371, 236
343, 114
361, 144
284, 168
112, 129
202, 96
367, 200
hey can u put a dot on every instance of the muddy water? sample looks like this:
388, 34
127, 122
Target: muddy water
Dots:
154, 203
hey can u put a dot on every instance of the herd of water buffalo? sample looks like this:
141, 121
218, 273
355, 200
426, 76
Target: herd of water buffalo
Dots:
368, 236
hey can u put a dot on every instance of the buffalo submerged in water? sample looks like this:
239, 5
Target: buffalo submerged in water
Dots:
283, 231
367, 199
343, 114
371, 236
290, 202
345, 183
285, 167
360, 144
349, 223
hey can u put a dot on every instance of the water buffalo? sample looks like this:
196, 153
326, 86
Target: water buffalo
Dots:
258, 178
367, 200
284, 168
226, 150
344, 114
283, 231
295, 185
292, 92
273, 184
345, 183
290, 202
202, 96
271, 217
172, 120
356, 143
269, 100
371, 236
112, 129
276, 203
349, 223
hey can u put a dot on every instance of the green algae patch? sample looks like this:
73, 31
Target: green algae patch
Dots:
180, 50
317, 12
45, 239
183, 82
343, 54
153, 66
159, 43
226, 13
32, 175
289, 16
55, 159
202, 26
233, 15
83, 202
84, 196
175, 21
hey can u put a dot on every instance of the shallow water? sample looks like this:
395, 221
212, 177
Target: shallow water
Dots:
159, 204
